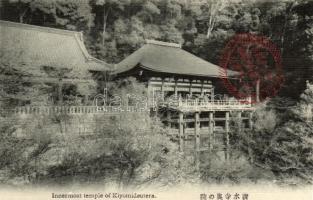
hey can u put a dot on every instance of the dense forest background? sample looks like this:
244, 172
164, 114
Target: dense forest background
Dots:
113, 29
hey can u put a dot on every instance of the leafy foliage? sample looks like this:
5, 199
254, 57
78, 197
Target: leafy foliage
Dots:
114, 29
282, 144
15, 69
67, 14
127, 149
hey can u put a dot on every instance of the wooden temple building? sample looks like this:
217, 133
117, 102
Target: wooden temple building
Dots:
191, 100
195, 106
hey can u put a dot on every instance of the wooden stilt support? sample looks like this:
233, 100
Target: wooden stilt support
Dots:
190, 88
181, 131
250, 120
211, 130
197, 131
169, 118
175, 88
239, 121
60, 92
202, 82
227, 135
197, 140
185, 136
162, 88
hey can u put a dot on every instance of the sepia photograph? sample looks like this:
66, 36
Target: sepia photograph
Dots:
156, 99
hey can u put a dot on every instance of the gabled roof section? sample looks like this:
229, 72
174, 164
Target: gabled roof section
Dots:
169, 58
49, 46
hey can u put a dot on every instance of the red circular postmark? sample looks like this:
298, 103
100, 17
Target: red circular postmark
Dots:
251, 68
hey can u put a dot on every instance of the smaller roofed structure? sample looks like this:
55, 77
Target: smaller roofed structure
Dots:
170, 58
169, 70
49, 46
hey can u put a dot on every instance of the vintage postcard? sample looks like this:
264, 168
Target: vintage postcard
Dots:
156, 99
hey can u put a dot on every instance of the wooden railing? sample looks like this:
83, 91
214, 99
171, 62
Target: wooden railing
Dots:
187, 104
75, 109
197, 104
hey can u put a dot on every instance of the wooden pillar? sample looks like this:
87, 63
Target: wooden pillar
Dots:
250, 120
257, 93
60, 93
212, 94
227, 135
181, 131
211, 131
162, 88
175, 88
197, 131
202, 90
190, 88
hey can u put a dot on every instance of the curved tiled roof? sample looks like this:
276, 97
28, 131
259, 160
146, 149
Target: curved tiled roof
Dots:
169, 58
49, 46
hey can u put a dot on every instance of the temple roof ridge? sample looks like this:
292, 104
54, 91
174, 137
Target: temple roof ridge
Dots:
162, 43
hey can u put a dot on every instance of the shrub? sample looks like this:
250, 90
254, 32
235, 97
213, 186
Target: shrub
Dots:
281, 144
128, 149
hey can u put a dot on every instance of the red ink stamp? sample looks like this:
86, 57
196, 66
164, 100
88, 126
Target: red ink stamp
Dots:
257, 62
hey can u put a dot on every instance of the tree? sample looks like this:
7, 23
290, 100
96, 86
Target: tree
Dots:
130, 149
122, 26
281, 139
304, 39
287, 24
85, 84
211, 11
216, 22
16, 85
68, 14
109, 6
